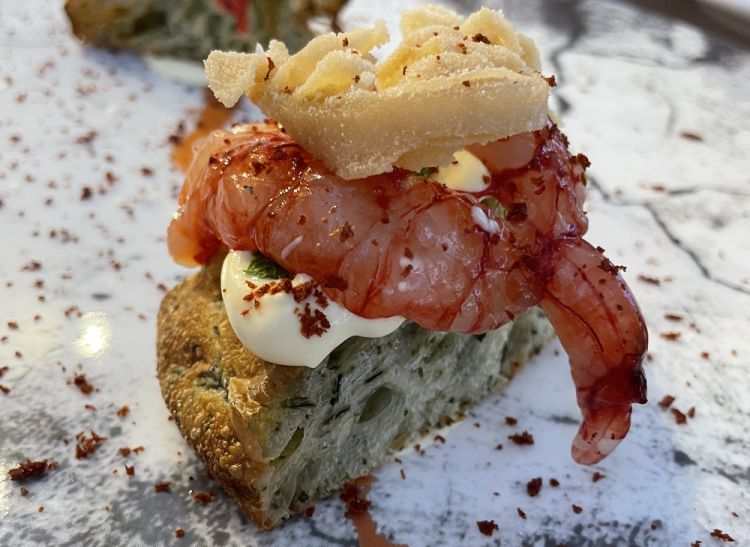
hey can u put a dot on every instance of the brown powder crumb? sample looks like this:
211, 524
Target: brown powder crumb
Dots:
163, 487
534, 486
40, 510
478, 37
24, 491
204, 497
679, 417
147, 171
3, 370
81, 383
596, 477
86, 193
607, 266
554, 483
487, 527
12, 325
723, 536
577, 509
439, 439
85, 446
671, 336
691, 412
124, 451
5, 389
510, 420
696, 543
138, 449
551, 80
521, 513
689, 135
705, 355
666, 401
735, 514
92, 408
523, 438
403, 475
466, 83
129, 470
498, 447
648, 279
29, 469
673, 317
124, 411
179, 533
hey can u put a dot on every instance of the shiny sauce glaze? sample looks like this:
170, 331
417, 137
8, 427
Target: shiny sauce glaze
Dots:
403, 244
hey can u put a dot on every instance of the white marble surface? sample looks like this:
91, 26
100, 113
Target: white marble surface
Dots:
672, 208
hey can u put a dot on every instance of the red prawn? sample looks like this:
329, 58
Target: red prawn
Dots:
402, 244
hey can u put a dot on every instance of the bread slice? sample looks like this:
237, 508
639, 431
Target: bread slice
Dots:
279, 438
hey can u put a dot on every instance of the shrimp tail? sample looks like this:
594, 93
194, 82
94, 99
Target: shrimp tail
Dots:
601, 328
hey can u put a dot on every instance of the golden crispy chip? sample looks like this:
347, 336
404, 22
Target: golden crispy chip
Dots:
451, 82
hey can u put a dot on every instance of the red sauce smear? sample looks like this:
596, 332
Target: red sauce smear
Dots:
354, 494
213, 116
238, 8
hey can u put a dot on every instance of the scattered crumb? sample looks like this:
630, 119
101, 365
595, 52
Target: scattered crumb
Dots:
521, 513
577, 509
40, 510
523, 438
596, 477
129, 470
666, 401
24, 491
487, 527
85, 446
534, 486
498, 447
204, 497
440, 439
671, 336
679, 417
81, 383
403, 475
124, 451
29, 469
510, 420
163, 487
723, 536
124, 411
310, 511
179, 533
554, 483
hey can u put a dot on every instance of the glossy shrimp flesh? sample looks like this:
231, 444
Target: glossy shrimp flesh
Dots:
403, 244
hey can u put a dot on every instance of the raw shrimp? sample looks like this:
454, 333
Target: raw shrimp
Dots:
403, 244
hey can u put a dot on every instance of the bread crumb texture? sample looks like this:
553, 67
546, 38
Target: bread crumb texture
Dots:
413, 109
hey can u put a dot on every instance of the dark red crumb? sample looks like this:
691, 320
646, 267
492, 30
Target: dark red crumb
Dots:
666, 401
310, 511
124, 411
671, 336
679, 417
723, 536
355, 498
204, 497
577, 509
439, 439
596, 477
691, 412
80, 381
129, 470
510, 420
163, 487
554, 483
673, 317
124, 451
85, 446
521, 513
523, 438
29, 469
534, 486
179, 533
487, 527
24, 491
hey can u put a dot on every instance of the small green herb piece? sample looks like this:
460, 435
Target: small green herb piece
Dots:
494, 206
265, 268
427, 172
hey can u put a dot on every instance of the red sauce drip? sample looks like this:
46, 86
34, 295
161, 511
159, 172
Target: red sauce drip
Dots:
354, 494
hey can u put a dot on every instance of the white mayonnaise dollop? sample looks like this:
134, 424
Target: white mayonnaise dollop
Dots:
467, 173
272, 330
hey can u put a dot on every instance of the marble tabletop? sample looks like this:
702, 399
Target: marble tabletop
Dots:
86, 191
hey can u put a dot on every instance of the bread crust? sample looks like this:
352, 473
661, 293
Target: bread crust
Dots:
223, 398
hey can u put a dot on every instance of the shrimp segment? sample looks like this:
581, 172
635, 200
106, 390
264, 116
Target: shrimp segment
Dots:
401, 244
